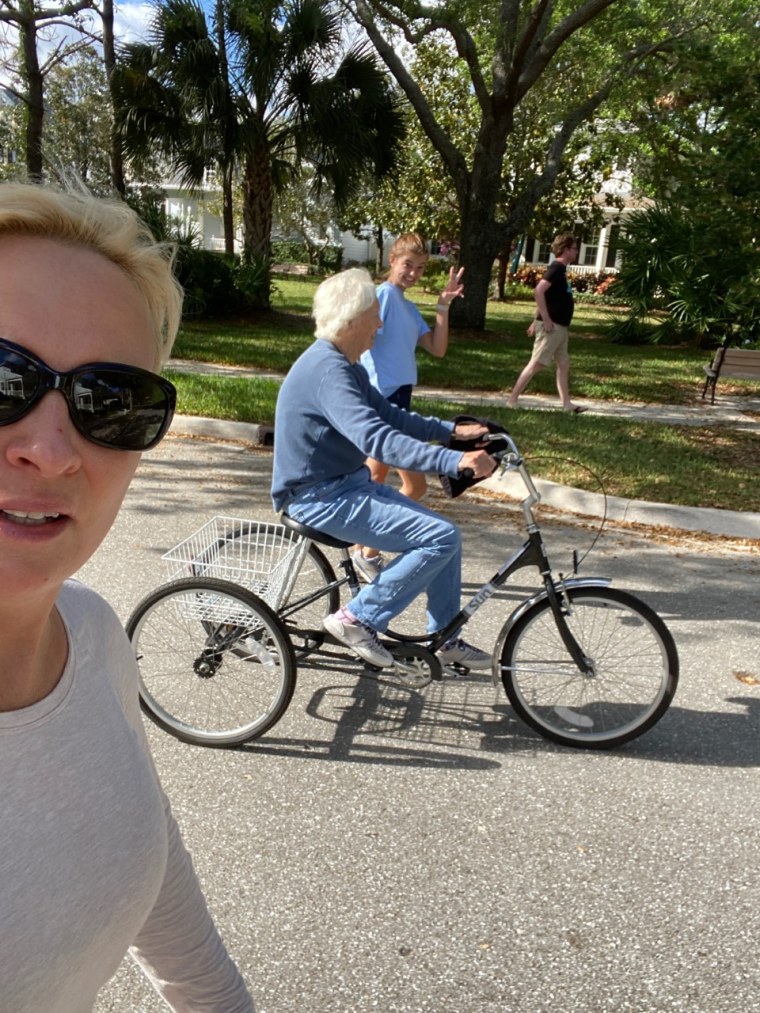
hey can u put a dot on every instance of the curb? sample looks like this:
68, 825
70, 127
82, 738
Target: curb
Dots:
221, 429
726, 523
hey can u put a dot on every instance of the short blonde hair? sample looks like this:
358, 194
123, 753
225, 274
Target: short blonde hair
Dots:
340, 299
112, 229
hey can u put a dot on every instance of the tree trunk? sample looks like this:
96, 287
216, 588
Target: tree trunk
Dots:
35, 105
477, 259
380, 244
501, 274
109, 62
258, 200
479, 244
228, 221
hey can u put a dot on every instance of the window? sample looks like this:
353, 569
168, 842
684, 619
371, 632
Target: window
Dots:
591, 249
544, 253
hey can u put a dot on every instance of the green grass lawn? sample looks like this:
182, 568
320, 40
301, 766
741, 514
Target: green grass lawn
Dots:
670, 464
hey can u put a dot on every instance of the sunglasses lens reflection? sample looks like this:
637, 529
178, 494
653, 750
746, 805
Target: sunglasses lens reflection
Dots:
120, 407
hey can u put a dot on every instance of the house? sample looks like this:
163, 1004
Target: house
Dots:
197, 212
191, 212
599, 248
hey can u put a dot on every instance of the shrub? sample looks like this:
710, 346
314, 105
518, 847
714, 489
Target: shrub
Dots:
254, 283
289, 251
322, 258
209, 281
436, 274
692, 263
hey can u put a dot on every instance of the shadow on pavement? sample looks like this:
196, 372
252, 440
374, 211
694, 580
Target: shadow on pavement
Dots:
467, 724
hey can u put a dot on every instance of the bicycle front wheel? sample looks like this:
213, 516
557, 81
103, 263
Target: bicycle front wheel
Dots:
635, 672
216, 666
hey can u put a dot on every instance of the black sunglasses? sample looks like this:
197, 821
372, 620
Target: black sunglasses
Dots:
113, 405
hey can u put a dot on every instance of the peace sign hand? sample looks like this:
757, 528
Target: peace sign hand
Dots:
454, 287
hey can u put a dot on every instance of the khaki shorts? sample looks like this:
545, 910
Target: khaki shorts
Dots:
546, 347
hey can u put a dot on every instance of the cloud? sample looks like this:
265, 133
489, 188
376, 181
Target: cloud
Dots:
132, 21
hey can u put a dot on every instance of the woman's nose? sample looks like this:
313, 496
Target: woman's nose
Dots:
45, 438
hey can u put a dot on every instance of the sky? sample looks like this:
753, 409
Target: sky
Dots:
131, 24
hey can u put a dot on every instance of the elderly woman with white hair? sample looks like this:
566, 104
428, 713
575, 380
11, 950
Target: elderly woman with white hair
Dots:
329, 420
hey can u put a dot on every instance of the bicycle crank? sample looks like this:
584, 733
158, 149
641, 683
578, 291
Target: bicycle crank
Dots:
414, 667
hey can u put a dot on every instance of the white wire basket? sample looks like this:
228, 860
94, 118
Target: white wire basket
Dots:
265, 558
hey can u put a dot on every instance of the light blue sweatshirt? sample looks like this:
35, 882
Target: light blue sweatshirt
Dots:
329, 418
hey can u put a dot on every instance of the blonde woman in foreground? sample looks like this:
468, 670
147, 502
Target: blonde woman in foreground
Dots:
91, 860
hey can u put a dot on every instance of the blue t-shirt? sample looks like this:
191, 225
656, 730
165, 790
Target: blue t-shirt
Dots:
391, 362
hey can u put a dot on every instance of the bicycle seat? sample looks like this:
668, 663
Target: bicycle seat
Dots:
316, 536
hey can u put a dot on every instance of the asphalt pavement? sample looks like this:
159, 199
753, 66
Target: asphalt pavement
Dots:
417, 852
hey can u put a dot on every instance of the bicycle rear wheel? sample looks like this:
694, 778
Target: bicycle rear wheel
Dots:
216, 666
635, 669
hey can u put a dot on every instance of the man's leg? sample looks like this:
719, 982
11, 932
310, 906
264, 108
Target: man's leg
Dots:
563, 381
533, 367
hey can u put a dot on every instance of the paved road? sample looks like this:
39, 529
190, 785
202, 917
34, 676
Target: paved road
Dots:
390, 851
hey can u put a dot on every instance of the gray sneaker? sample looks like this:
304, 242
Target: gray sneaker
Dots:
359, 639
367, 567
458, 652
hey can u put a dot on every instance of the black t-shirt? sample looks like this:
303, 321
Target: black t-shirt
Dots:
559, 298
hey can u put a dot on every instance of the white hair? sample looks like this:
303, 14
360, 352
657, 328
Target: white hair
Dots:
340, 299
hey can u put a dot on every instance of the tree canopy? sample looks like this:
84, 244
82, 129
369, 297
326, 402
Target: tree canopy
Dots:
261, 89
537, 73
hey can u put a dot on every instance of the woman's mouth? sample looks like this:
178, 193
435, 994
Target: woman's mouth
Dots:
30, 519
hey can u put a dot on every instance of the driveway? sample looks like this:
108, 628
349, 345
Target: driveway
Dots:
385, 850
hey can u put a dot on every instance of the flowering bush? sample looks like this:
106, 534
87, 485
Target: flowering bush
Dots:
591, 284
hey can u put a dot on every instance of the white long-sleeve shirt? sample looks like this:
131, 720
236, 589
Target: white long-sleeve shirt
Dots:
91, 860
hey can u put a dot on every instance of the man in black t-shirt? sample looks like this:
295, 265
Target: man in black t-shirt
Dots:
551, 326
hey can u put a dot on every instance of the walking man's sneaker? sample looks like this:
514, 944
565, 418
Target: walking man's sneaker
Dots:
368, 567
358, 638
459, 652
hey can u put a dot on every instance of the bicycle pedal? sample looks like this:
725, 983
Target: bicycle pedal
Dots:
456, 671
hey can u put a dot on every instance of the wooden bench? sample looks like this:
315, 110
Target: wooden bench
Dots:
738, 363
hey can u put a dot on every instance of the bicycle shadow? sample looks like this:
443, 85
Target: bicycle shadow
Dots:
376, 720
704, 738
467, 724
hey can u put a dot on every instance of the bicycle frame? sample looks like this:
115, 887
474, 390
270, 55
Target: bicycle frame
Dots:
532, 554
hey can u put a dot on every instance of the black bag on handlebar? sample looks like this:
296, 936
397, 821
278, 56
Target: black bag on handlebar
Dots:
454, 487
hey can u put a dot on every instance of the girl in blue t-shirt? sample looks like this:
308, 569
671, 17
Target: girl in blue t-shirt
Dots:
391, 362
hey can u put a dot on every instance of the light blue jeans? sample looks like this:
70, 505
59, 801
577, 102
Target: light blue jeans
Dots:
358, 510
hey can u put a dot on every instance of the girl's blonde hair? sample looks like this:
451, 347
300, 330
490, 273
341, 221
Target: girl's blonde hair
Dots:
409, 242
112, 229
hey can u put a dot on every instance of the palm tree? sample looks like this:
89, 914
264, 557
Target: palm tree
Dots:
173, 99
259, 92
